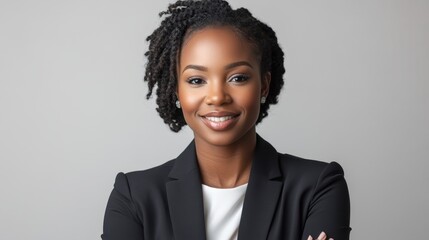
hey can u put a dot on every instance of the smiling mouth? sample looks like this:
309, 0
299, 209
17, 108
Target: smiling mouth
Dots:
220, 119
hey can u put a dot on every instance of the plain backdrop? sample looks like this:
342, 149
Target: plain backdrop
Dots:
73, 111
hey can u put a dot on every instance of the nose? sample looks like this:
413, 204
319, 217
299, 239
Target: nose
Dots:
217, 94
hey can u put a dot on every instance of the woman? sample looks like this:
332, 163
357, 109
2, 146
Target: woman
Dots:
218, 70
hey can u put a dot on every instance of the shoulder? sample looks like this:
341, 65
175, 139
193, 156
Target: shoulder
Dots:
298, 165
291, 168
152, 174
149, 180
312, 173
312, 180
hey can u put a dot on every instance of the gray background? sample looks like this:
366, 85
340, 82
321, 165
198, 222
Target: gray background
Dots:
73, 111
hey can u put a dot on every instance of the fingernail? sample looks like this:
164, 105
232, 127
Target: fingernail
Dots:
322, 235
309, 238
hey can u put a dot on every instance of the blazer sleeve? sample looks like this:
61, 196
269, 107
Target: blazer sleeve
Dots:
120, 220
329, 209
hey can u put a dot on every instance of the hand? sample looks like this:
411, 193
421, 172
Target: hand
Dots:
322, 236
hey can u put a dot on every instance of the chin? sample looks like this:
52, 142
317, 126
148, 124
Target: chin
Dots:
225, 138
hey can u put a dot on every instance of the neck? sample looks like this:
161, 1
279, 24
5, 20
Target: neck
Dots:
226, 166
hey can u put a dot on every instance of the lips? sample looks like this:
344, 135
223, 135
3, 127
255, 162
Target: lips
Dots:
220, 121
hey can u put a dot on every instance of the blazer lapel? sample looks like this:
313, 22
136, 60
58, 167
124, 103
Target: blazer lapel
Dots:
185, 198
262, 193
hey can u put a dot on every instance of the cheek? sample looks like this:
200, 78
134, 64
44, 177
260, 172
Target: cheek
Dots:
250, 101
190, 100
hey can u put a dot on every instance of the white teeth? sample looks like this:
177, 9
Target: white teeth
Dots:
219, 119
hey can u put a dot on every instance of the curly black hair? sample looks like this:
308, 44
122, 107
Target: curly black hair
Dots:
184, 17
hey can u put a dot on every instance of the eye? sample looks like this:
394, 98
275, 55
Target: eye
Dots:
239, 79
195, 81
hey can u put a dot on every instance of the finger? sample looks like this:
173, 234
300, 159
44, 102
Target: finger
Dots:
322, 236
310, 238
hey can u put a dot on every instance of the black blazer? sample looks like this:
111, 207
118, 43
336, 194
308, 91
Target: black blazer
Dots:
287, 198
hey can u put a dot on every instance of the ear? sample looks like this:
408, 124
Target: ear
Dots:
177, 87
265, 87
177, 94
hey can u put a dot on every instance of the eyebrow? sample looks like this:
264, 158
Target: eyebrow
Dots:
229, 66
196, 67
236, 64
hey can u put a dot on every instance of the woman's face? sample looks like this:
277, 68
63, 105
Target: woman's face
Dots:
220, 85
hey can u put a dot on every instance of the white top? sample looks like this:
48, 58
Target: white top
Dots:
222, 211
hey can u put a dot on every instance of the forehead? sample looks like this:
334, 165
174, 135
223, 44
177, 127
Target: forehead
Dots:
213, 46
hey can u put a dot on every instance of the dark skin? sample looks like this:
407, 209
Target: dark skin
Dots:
218, 78
229, 168
220, 87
